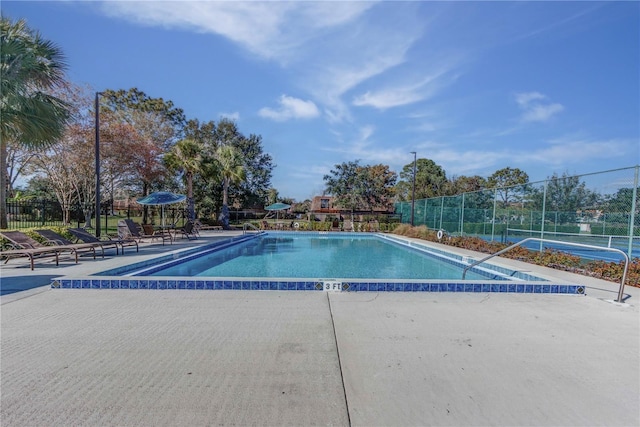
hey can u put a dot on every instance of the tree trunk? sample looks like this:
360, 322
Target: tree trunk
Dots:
224, 215
190, 202
87, 218
66, 214
145, 208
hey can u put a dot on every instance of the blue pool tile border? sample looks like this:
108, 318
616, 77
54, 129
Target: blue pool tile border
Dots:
314, 285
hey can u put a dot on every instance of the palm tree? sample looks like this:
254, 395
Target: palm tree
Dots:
185, 157
232, 171
29, 67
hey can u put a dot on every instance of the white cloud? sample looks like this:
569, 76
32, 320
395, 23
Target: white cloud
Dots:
536, 107
290, 108
366, 132
524, 99
406, 93
541, 113
235, 116
387, 98
350, 63
572, 150
268, 29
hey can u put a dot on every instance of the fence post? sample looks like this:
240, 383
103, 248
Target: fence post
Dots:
424, 217
632, 217
493, 219
462, 216
544, 211
106, 219
42, 213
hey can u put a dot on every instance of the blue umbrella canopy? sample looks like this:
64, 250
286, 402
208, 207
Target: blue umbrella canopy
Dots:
277, 207
162, 198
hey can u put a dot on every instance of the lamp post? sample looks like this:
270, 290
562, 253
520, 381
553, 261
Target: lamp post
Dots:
97, 112
413, 191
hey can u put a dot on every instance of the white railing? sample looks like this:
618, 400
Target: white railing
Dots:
559, 242
248, 225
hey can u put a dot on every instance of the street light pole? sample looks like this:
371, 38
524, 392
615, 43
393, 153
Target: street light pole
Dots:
413, 191
97, 112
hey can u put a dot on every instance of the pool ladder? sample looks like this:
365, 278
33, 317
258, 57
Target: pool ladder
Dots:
247, 225
581, 245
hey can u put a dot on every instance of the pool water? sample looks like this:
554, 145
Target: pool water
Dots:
298, 256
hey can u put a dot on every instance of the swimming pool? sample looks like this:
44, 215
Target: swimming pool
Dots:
251, 254
298, 255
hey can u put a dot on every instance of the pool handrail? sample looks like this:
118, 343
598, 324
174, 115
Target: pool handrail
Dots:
560, 242
248, 224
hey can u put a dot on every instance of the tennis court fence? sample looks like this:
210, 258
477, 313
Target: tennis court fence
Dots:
599, 208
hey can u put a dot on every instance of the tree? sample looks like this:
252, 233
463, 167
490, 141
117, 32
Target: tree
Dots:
69, 163
158, 125
17, 160
509, 184
302, 207
207, 192
620, 204
622, 201
68, 166
464, 184
272, 196
118, 142
40, 188
134, 99
258, 167
565, 195
31, 67
376, 186
342, 183
357, 187
251, 190
185, 158
431, 180
231, 170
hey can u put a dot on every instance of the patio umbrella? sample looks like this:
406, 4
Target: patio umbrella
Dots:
277, 207
161, 198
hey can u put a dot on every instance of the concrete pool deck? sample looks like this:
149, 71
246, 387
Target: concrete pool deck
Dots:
180, 357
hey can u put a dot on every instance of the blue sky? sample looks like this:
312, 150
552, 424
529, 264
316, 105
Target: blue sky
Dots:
475, 86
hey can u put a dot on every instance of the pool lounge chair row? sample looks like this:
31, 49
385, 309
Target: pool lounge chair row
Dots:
128, 229
23, 245
130, 234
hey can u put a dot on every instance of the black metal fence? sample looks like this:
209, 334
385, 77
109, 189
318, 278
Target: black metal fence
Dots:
37, 213
47, 213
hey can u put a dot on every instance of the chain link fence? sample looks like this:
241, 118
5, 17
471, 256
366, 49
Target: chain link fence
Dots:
600, 209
